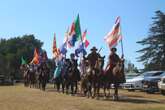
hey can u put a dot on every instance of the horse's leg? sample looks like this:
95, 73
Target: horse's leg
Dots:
94, 90
98, 89
58, 84
109, 89
104, 89
72, 88
67, 86
116, 92
63, 86
54, 82
76, 86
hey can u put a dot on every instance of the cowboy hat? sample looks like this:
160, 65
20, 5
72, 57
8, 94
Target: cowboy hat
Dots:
114, 49
94, 49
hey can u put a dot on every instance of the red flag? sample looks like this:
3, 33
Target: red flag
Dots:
72, 29
113, 37
84, 39
36, 57
56, 51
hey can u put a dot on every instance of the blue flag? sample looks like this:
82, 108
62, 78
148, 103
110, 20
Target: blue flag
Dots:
80, 49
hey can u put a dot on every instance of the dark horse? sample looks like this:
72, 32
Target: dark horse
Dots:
115, 77
44, 75
72, 77
31, 75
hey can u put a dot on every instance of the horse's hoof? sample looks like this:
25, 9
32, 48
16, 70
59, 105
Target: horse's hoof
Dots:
97, 98
115, 98
105, 97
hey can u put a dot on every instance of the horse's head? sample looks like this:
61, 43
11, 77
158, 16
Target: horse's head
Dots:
118, 69
100, 63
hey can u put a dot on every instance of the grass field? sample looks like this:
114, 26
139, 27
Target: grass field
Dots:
20, 98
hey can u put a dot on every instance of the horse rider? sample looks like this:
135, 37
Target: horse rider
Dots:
113, 60
74, 65
93, 57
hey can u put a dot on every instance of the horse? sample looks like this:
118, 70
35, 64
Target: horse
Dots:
24, 70
73, 77
97, 76
86, 79
91, 79
32, 76
119, 77
44, 76
115, 77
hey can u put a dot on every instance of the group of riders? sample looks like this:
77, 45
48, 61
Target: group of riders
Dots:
87, 77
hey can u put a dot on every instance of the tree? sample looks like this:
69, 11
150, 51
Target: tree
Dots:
130, 67
153, 53
13, 49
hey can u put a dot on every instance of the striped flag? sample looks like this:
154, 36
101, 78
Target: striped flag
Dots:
84, 39
56, 51
114, 36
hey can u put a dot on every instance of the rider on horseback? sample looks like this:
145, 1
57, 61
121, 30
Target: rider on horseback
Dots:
74, 66
113, 59
93, 57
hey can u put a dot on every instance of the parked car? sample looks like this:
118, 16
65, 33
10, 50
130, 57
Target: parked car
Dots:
136, 82
161, 85
150, 84
6, 81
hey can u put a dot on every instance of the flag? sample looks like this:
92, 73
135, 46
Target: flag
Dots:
66, 39
114, 36
75, 32
23, 62
56, 51
65, 45
72, 36
84, 39
35, 57
63, 49
78, 28
80, 49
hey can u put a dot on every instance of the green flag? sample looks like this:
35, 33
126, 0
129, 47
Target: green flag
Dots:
78, 28
23, 62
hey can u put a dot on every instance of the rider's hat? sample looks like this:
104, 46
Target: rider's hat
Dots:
113, 49
94, 49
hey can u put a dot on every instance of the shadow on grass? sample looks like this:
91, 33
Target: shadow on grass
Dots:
136, 99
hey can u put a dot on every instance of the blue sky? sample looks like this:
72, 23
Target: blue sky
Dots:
44, 17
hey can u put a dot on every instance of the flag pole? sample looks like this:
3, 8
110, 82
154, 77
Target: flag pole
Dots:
83, 47
122, 49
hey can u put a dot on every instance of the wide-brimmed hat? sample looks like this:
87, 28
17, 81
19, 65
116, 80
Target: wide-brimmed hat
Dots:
114, 49
72, 55
94, 49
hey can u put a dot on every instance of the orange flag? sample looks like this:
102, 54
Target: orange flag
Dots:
36, 57
56, 51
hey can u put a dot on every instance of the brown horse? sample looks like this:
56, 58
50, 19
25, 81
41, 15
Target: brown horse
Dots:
115, 77
119, 77
91, 79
